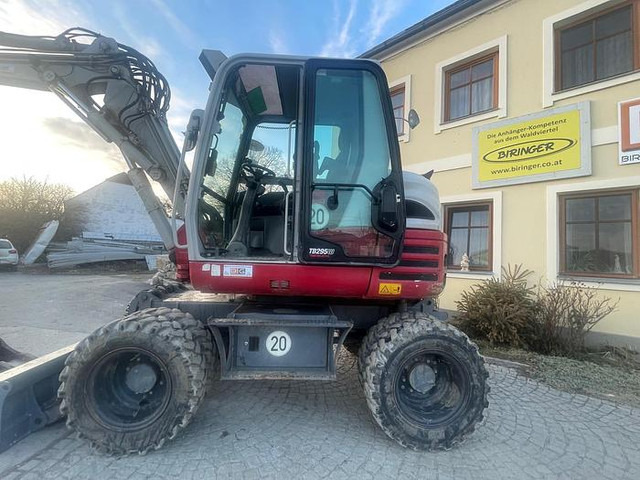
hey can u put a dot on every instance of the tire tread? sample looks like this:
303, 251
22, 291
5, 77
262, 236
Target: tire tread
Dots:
376, 348
184, 334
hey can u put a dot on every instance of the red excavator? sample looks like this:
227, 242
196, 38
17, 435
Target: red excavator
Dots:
295, 233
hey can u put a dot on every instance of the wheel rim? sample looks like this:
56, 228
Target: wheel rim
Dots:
128, 389
431, 388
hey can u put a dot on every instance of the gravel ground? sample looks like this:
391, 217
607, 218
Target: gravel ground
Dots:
605, 381
609, 377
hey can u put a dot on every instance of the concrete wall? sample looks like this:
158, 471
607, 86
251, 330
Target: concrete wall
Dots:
527, 215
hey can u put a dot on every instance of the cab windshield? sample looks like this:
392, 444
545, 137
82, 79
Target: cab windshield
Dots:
250, 162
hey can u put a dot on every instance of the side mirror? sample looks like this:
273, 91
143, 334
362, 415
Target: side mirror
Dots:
212, 163
388, 212
193, 129
413, 119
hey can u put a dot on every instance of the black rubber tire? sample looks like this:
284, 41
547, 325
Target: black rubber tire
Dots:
145, 298
203, 335
393, 340
169, 334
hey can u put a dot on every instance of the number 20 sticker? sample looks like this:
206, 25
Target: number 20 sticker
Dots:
319, 216
278, 343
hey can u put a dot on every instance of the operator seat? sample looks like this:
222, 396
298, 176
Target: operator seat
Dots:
261, 221
239, 244
338, 167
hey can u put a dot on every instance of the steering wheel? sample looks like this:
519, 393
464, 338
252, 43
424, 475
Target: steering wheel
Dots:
256, 171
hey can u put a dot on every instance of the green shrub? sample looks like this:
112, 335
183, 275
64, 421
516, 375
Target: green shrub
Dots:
499, 311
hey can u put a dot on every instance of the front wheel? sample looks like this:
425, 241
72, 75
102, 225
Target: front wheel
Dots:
424, 380
134, 383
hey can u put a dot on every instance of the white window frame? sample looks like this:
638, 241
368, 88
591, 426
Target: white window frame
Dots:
496, 199
406, 80
549, 25
553, 229
499, 45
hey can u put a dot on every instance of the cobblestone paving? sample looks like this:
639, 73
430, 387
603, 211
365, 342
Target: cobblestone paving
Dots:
313, 430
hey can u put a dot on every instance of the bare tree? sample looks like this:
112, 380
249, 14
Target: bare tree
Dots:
270, 157
27, 203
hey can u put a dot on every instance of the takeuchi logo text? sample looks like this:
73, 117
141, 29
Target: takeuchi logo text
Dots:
519, 152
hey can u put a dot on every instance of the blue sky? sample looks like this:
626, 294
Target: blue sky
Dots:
172, 33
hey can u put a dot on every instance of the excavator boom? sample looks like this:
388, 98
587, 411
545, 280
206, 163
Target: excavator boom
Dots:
114, 89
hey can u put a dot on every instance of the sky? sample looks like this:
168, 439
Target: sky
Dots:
41, 137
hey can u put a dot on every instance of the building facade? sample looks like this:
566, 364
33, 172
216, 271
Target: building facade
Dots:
113, 210
530, 119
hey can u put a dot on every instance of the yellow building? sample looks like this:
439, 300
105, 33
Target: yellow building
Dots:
529, 122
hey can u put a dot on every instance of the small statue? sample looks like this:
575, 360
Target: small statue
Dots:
464, 263
617, 268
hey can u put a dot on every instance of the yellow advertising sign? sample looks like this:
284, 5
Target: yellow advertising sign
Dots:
533, 148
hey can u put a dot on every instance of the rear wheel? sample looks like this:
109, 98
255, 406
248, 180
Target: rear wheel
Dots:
133, 384
424, 380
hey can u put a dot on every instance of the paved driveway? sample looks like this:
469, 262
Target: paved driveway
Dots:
41, 313
294, 430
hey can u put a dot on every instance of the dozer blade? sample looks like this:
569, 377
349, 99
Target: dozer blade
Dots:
10, 357
28, 396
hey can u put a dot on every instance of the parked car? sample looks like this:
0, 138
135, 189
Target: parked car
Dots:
8, 254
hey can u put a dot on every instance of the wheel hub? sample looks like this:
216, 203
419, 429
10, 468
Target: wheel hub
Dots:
128, 389
431, 387
422, 378
141, 378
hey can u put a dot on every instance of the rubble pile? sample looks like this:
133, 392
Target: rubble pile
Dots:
80, 251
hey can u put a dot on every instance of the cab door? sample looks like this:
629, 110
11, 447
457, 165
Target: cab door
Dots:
352, 196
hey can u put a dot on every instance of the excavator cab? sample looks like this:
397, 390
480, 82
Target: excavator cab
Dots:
299, 164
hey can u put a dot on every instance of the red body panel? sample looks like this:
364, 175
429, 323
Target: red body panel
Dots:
281, 279
424, 246
182, 257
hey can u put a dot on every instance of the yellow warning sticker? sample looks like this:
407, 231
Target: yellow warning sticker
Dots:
389, 288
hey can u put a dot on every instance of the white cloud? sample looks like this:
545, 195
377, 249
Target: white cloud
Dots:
78, 134
38, 17
277, 42
28, 145
182, 104
185, 33
39, 135
32, 143
145, 44
381, 13
340, 43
